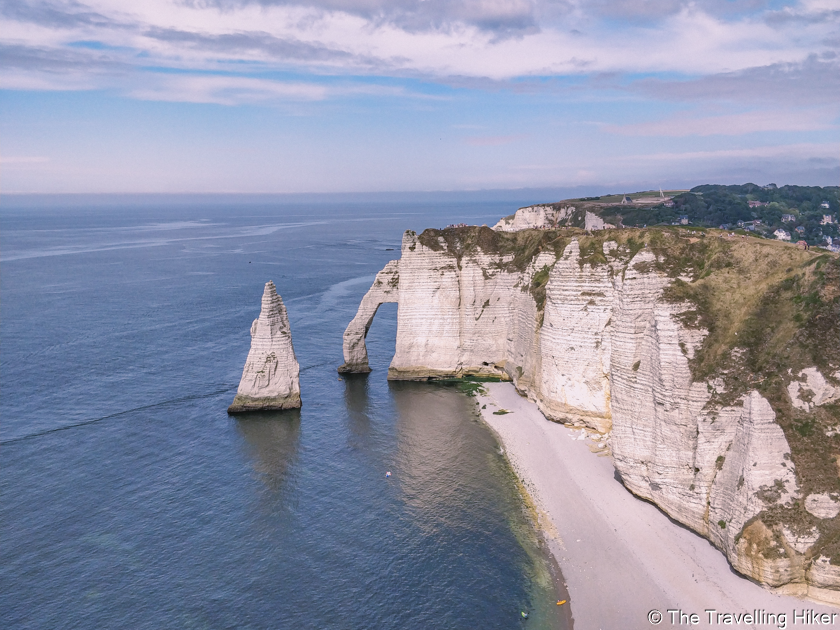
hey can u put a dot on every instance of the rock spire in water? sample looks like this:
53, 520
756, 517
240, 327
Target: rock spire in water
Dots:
271, 378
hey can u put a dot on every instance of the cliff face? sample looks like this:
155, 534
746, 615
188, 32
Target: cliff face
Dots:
550, 216
713, 365
270, 379
453, 315
535, 217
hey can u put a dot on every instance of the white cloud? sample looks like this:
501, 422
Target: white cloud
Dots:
226, 90
234, 90
249, 38
666, 166
493, 141
732, 124
10, 159
735, 67
800, 151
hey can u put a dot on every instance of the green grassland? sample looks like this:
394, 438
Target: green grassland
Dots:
713, 205
616, 198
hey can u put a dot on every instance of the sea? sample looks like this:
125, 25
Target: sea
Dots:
129, 498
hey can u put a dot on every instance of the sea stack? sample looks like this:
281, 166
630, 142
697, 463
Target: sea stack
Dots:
271, 378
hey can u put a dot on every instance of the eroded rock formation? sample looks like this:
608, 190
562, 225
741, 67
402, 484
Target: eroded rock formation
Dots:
385, 288
271, 377
620, 331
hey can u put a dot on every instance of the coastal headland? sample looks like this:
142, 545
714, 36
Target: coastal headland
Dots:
708, 362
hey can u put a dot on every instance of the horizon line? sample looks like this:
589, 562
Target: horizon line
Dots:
623, 190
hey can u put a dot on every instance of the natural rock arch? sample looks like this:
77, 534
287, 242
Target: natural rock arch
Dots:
385, 288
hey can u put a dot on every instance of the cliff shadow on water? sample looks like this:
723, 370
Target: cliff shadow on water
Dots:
449, 468
452, 467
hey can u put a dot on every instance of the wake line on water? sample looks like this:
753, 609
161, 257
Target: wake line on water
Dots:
85, 423
164, 403
309, 367
251, 231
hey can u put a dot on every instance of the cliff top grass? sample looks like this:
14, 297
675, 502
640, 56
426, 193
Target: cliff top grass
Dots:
521, 247
610, 199
771, 310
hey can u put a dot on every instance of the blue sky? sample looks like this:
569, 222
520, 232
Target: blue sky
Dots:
411, 95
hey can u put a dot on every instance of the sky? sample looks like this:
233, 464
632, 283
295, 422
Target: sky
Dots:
331, 96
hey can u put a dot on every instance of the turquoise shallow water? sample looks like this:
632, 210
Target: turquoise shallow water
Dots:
131, 499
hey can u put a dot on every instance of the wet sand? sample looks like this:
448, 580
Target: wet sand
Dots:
622, 557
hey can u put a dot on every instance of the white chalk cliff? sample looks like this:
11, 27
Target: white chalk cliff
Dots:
271, 377
591, 339
541, 217
816, 388
534, 217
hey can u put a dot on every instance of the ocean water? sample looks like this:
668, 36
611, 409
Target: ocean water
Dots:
130, 499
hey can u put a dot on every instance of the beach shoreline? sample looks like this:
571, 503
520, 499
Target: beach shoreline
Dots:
622, 559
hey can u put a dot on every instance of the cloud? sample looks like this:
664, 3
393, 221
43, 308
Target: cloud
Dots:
254, 45
653, 10
235, 90
812, 81
802, 163
685, 124
10, 159
493, 141
501, 17
794, 152
60, 69
805, 12
56, 14
225, 90
684, 52
59, 60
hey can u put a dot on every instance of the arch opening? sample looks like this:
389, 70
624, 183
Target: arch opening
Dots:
385, 288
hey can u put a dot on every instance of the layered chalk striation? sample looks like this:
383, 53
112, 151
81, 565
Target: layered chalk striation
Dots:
710, 365
271, 377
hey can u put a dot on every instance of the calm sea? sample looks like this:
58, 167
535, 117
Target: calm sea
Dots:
130, 499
